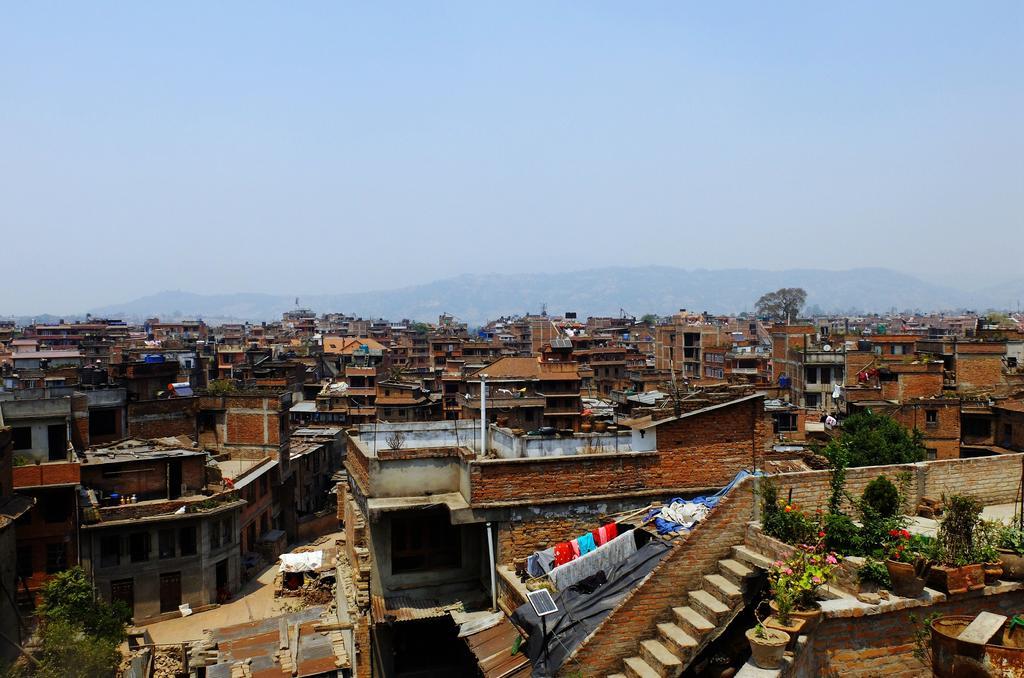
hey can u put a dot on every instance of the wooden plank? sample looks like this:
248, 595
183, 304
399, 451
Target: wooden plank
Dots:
983, 628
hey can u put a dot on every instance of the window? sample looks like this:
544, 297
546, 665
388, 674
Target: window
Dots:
812, 375
102, 423
225, 531
424, 540
56, 559
1011, 361
166, 543
138, 547
55, 509
931, 417
784, 422
214, 536
933, 453
25, 565
899, 349
22, 437
110, 551
812, 399
187, 540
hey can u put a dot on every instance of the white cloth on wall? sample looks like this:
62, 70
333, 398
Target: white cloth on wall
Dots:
686, 514
604, 557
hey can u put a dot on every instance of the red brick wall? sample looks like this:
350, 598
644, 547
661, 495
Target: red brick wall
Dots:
694, 453
35, 475
921, 384
942, 436
162, 418
245, 429
883, 644
666, 586
518, 540
981, 370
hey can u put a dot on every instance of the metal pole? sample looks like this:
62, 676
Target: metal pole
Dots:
490, 554
483, 415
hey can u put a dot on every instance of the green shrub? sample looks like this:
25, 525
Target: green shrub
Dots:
874, 572
956, 537
841, 534
882, 496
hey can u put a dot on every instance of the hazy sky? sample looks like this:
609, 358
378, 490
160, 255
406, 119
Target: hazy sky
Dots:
307, 147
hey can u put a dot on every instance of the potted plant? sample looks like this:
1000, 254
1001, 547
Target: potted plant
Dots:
907, 563
873, 576
959, 568
1011, 552
796, 580
782, 618
767, 646
987, 536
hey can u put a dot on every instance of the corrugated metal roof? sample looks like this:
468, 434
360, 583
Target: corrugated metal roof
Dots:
403, 608
493, 651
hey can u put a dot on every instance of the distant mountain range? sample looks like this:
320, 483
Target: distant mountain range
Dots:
604, 291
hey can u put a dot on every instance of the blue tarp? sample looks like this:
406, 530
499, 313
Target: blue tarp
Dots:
665, 526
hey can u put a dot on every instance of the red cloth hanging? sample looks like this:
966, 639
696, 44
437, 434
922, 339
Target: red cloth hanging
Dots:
563, 553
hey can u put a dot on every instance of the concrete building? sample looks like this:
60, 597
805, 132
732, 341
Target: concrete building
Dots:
174, 542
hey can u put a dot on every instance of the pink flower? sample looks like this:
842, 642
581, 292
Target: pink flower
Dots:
789, 570
816, 580
831, 559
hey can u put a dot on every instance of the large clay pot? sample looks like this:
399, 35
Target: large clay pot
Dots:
585, 427
794, 628
1013, 564
993, 572
810, 617
957, 579
767, 653
600, 426
975, 575
905, 582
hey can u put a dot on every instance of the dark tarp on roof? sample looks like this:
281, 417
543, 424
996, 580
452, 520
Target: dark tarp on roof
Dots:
580, 613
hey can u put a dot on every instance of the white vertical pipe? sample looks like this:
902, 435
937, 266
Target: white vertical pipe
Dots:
483, 415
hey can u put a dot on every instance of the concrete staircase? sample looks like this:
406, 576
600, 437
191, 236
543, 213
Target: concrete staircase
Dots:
707, 613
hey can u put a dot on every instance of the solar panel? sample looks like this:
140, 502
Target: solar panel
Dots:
542, 602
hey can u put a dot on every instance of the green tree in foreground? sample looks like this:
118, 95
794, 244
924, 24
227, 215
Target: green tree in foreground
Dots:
870, 439
79, 634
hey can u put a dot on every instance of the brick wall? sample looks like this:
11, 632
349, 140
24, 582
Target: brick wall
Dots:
944, 434
518, 540
883, 644
694, 453
35, 475
651, 601
162, 418
993, 480
979, 370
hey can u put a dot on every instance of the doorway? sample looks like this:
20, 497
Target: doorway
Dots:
57, 442
170, 591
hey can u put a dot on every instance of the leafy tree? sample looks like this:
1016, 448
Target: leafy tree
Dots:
79, 634
782, 304
649, 319
870, 439
68, 599
68, 652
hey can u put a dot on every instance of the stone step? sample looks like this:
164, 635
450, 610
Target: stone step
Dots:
735, 571
681, 643
708, 606
692, 621
723, 589
750, 557
617, 675
660, 658
636, 667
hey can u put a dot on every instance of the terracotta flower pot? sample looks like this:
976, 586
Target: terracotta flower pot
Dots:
905, 582
1013, 564
993, 572
585, 427
767, 652
975, 574
957, 579
600, 426
810, 617
794, 628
